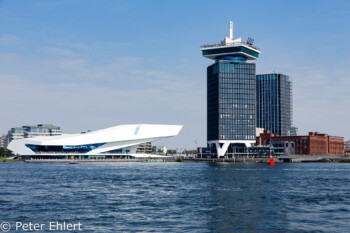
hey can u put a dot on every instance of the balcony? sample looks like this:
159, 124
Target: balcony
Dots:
227, 45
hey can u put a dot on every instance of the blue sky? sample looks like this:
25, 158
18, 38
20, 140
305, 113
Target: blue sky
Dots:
94, 64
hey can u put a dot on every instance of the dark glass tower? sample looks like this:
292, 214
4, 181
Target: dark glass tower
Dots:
230, 94
274, 103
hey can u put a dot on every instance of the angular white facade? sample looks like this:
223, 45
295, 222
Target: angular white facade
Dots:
122, 139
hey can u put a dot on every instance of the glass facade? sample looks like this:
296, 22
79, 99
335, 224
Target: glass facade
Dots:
231, 101
274, 103
64, 149
230, 50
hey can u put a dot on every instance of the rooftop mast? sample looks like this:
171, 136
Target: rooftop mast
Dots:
231, 30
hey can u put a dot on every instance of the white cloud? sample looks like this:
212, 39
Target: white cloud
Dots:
9, 40
56, 51
78, 95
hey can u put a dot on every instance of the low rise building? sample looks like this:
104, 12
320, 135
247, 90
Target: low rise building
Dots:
313, 144
283, 147
293, 131
264, 137
144, 148
30, 131
3, 141
347, 147
238, 152
160, 149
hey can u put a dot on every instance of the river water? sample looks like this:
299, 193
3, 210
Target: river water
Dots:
178, 197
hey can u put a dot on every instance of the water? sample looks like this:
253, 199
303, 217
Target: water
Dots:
179, 197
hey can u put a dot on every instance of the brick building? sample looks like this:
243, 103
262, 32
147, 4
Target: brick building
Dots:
313, 144
264, 137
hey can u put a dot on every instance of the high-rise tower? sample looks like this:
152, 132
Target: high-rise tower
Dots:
231, 103
274, 103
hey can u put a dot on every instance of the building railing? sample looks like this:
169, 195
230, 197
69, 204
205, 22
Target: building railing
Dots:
223, 45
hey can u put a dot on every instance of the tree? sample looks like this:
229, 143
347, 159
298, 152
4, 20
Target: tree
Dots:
5, 152
170, 152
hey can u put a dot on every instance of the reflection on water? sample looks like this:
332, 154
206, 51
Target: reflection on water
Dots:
180, 197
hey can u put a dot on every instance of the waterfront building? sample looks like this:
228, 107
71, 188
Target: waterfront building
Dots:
144, 148
15, 133
313, 144
283, 147
274, 103
30, 131
116, 142
347, 147
160, 149
231, 94
3, 141
241, 151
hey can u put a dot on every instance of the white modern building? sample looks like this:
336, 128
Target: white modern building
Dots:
116, 142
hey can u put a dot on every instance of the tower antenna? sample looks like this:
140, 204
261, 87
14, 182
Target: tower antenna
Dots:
231, 30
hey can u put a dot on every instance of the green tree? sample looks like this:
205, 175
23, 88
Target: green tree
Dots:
5, 152
169, 152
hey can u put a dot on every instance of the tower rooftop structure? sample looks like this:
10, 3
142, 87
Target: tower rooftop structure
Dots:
230, 47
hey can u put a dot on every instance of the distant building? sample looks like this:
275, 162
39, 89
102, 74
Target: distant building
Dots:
274, 103
33, 131
313, 144
293, 131
3, 141
283, 147
160, 149
347, 147
144, 148
264, 138
240, 151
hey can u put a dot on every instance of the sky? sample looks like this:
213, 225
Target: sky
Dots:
88, 65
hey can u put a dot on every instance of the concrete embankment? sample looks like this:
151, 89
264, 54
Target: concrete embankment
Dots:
98, 160
237, 160
170, 159
291, 158
311, 158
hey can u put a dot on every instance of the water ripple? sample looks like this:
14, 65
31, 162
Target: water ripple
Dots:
179, 197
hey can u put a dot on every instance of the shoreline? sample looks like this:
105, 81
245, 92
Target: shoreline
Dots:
300, 159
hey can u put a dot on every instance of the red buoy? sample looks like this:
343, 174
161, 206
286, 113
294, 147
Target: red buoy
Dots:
271, 162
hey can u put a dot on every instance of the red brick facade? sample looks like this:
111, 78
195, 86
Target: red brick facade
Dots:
264, 138
313, 144
336, 145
